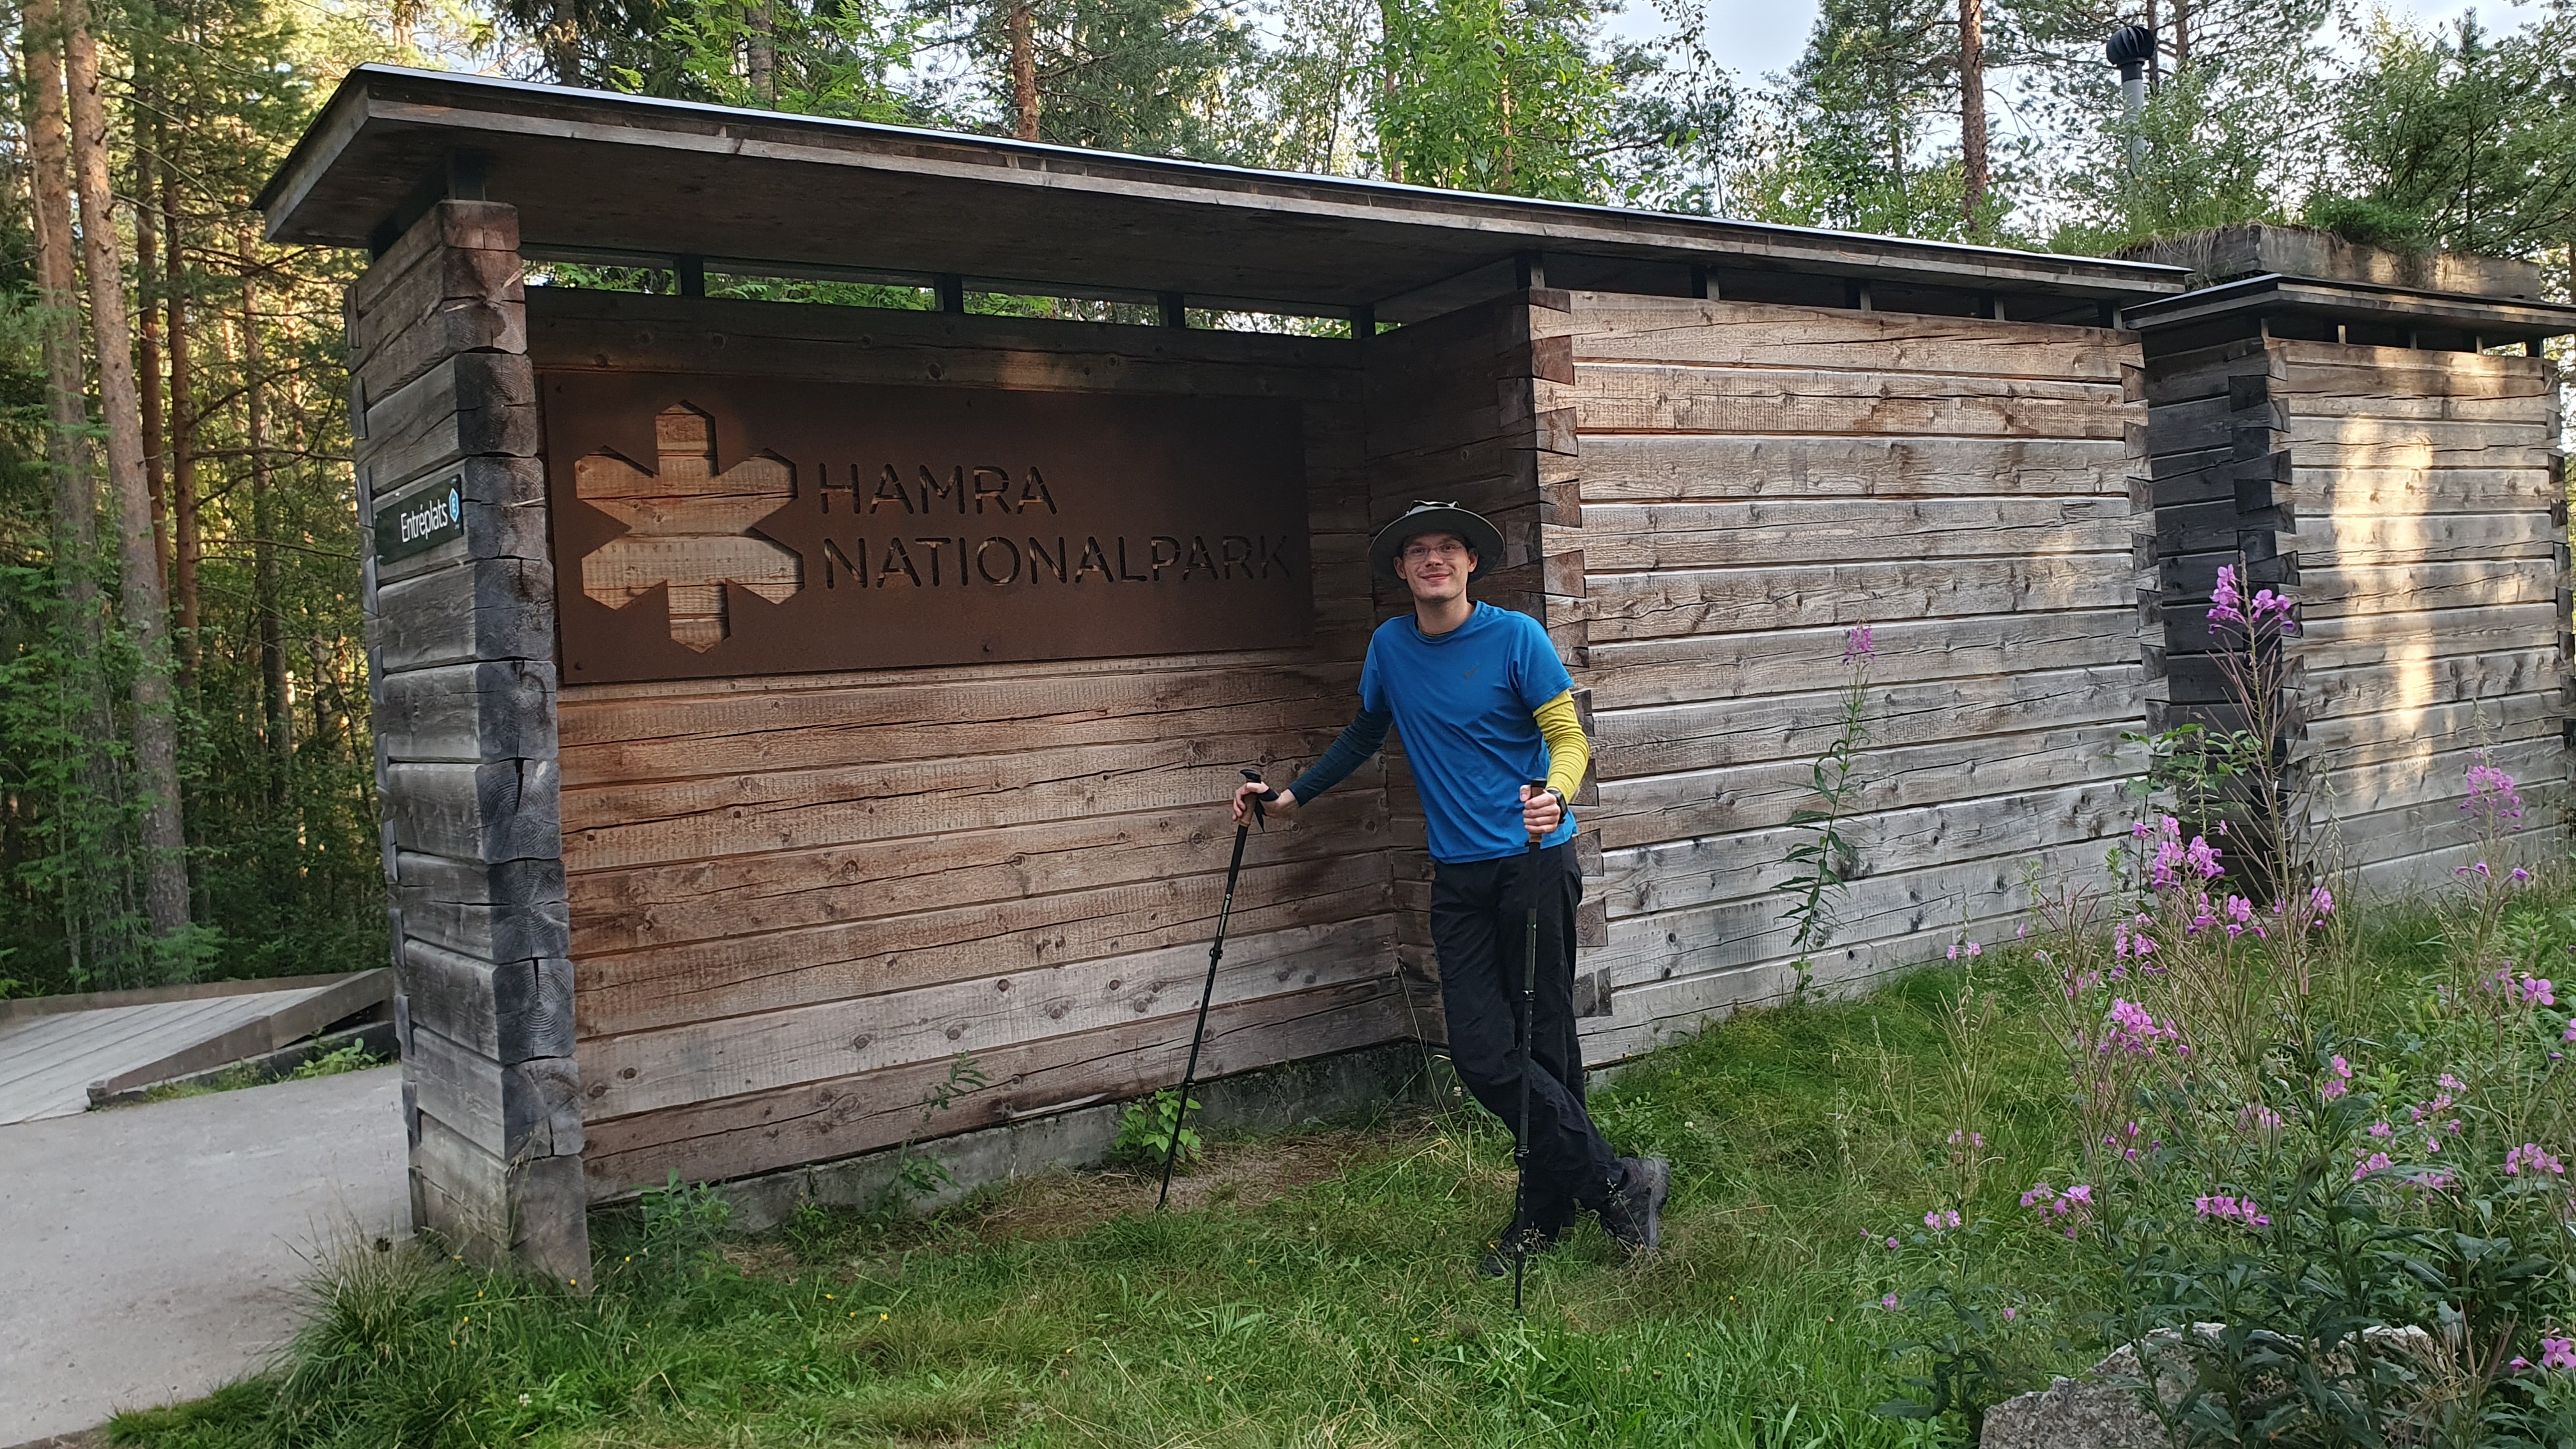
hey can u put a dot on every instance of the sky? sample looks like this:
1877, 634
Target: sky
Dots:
1753, 38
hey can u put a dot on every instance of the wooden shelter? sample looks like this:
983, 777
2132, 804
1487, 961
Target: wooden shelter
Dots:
2377, 436
775, 701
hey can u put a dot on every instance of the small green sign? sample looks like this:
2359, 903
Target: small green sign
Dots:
421, 519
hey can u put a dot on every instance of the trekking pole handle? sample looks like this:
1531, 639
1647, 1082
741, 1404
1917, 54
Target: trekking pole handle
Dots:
1259, 800
1537, 788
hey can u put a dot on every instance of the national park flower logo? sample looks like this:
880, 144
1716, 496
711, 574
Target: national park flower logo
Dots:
685, 527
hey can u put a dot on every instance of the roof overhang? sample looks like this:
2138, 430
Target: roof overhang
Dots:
613, 176
2496, 319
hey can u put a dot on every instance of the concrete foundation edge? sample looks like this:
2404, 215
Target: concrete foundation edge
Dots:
1273, 1099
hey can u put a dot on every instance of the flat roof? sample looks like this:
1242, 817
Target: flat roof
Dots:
2503, 319
597, 174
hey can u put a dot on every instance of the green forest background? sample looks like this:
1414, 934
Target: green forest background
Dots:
186, 782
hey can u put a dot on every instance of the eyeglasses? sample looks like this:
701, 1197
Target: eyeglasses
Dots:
1417, 551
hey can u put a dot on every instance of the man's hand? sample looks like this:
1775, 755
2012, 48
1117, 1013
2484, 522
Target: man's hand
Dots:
1279, 806
1541, 811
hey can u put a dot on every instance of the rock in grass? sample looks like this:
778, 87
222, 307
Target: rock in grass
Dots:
2105, 1410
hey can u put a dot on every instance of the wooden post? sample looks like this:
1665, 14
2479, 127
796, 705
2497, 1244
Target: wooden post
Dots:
461, 641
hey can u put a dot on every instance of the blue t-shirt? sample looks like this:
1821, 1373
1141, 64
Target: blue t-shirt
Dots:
1463, 702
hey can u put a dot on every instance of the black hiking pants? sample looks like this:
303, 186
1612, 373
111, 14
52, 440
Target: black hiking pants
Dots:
1479, 928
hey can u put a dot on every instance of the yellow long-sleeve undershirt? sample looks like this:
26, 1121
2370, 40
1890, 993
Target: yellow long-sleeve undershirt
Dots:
1568, 752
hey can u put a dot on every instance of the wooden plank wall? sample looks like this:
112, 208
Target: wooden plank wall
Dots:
1753, 481
2430, 511
796, 899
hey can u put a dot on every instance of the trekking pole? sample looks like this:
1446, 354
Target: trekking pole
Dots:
1529, 1036
1216, 953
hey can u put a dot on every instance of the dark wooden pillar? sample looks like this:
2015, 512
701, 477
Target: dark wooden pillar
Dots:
461, 644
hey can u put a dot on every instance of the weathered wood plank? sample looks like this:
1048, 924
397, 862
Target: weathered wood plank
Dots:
514, 1012
2435, 772
1657, 606
446, 300
2379, 443
1679, 468
504, 609
1703, 802
840, 1116
473, 403
1743, 865
513, 910
668, 985
1667, 739
750, 895
480, 712
576, 329
2418, 490
1625, 328
2336, 540
1628, 399
1631, 538
505, 810
2439, 679
2410, 588
707, 1059
618, 825
1634, 674
674, 738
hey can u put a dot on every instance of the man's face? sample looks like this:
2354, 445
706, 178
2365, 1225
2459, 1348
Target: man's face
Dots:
1435, 566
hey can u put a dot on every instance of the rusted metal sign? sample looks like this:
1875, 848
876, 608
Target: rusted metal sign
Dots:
709, 526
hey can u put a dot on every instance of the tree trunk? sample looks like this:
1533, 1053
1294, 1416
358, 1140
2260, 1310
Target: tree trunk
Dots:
147, 354
2155, 51
1386, 86
1972, 111
2182, 36
760, 52
563, 44
276, 709
186, 548
67, 450
1024, 70
146, 606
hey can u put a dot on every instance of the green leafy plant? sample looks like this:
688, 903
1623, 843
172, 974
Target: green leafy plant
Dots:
1823, 862
347, 1057
920, 1176
1145, 1132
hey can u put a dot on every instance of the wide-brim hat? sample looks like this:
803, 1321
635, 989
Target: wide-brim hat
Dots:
1423, 518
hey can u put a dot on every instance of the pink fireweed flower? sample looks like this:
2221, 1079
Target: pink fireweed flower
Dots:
2378, 1129
2255, 1117
2226, 602
2321, 901
2538, 991
2231, 1209
2493, 802
2009, 1315
2531, 1157
2135, 1031
2375, 1162
2338, 1083
1891, 1243
1888, 1303
2429, 1181
1858, 643
2449, 1083
2558, 1353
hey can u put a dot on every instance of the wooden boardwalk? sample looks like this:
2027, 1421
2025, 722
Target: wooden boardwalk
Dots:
50, 1056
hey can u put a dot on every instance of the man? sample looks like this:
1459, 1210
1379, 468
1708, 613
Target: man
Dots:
1486, 708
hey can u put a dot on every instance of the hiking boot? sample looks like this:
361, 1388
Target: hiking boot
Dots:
1546, 1227
1633, 1215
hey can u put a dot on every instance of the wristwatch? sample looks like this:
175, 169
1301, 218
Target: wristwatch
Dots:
1562, 804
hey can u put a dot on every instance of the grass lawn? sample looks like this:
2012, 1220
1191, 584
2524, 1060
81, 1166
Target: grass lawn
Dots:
1315, 1290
